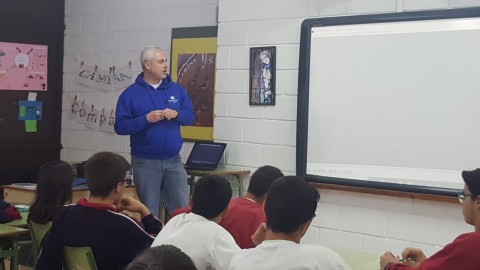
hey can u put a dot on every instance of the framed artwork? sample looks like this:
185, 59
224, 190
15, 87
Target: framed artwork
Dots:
262, 76
193, 67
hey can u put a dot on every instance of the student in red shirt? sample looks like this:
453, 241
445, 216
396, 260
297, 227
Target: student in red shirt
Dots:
462, 253
245, 214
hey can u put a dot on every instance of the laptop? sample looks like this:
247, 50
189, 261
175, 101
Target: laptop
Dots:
205, 156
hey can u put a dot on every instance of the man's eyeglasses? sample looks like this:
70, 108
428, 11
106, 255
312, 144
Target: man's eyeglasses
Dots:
128, 179
462, 195
128, 182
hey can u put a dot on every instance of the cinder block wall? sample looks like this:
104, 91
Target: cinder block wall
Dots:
112, 32
266, 135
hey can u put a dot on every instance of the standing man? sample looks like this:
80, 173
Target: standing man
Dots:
151, 111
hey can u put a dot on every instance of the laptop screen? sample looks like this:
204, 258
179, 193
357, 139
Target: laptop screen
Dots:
206, 154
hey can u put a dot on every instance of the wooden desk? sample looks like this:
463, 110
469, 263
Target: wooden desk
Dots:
25, 195
359, 260
235, 175
9, 244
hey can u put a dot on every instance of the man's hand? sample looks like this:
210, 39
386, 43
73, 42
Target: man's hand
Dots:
155, 116
387, 258
413, 256
132, 205
134, 217
170, 114
259, 235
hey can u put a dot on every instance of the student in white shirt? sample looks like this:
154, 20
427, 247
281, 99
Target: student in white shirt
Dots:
197, 233
290, 208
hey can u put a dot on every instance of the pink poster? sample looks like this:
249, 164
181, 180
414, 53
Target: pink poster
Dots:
23, 66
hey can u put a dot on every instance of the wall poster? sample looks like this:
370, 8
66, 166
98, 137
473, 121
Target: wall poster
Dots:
193, 67
262, 76
23, 66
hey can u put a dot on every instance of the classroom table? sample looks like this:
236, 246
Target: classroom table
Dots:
21, 194
9, 243
359, 260
21, 223
234, 176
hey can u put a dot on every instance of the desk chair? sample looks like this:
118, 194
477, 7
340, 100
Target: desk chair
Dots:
37, 233
79, 258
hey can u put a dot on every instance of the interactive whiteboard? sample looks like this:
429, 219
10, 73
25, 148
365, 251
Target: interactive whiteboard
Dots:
390, 101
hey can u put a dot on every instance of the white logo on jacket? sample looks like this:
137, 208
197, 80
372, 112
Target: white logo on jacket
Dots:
173, 99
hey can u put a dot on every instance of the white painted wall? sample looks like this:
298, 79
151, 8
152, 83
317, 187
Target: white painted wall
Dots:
112, 32
266, 135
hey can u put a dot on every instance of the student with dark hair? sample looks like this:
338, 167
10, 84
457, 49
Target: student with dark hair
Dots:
54, 190
164, 257
462, 253
115, 239
245, 214
290, 208
197, 233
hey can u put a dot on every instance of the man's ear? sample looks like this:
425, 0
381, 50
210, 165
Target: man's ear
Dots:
304, 227
118, 186
224, 212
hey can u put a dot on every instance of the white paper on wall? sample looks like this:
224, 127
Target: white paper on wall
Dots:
74, 106
123, 77
82, 113
106, 80
111, 122
92, 117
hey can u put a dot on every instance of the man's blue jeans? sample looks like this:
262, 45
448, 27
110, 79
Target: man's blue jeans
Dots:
158, 180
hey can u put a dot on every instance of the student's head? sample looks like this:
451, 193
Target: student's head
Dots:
104, 171
291, 202
471, 194
164, 257
54, 189
211, 195
262, 179
154, 62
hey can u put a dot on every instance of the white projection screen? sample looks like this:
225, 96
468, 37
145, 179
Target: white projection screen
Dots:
390, 101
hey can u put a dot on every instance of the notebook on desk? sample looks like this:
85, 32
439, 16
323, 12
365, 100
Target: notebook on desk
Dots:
205, 156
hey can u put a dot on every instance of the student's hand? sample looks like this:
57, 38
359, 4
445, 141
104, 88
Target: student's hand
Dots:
259, 235
132, 205
413, 256
170, 114
129, 214
387, 258
155, 116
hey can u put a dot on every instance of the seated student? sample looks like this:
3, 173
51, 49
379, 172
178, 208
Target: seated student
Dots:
245, 214
164, 257
462, 253
290, 208
197, 233
115, 239
54, 190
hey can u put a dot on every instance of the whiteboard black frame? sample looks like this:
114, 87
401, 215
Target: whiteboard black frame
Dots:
303, 92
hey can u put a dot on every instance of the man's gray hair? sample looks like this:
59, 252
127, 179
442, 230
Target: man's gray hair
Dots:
147, 54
